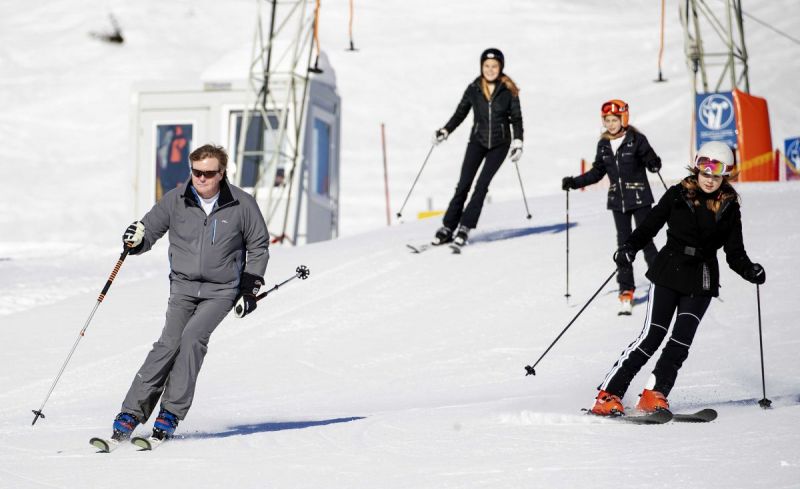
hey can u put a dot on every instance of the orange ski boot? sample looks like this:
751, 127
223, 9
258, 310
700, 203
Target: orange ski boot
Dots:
608, 405
651, 401
625, 303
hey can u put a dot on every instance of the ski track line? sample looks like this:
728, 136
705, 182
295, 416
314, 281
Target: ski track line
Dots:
34, 481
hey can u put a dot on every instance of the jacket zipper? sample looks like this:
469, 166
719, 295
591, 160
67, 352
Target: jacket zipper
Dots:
202, 246
490, 121
491, 98
619, 175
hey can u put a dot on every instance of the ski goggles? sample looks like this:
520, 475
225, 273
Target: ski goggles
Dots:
613, 108
710, 166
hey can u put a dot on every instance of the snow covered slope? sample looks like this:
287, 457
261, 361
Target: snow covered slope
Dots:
384, 369
388, 369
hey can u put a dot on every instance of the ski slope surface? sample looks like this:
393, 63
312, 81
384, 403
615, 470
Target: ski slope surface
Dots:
386, 369
389, 369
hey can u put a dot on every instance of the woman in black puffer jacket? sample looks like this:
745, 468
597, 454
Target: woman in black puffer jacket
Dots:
623, 153
702, 215
494, 100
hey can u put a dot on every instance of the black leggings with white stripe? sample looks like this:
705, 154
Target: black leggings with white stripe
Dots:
662, 304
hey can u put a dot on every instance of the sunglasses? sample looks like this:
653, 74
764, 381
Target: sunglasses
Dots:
613, 108
710, 166
205, 173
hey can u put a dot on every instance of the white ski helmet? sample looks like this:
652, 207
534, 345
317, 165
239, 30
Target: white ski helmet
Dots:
714, 158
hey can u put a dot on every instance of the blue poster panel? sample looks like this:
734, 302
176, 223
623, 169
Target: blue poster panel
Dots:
172, 156
791, 148
716, 120
322, 149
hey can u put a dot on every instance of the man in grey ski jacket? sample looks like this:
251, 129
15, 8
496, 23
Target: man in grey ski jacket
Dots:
218, 253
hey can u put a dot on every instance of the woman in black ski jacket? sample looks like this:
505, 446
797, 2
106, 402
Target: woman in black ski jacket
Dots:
623, 153
494, 100
702, 215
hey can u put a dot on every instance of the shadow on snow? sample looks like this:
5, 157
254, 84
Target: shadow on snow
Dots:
249, 429
502, 234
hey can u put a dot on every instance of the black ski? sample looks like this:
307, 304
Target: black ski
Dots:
702, 416
456, 249
420, 248
659, 417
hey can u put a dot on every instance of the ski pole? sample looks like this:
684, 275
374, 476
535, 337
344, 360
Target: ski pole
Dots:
302, 272
400, 212
524, 199
567, 293
764, 402
662, 179
38, 412
530, 369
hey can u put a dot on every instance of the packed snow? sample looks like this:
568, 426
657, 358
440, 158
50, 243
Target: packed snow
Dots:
384, 368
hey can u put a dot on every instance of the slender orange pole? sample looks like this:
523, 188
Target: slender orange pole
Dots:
661, 43
350, 27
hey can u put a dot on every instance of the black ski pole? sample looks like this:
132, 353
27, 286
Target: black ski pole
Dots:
662, 179
524, 199
38, 412
567, 293
400, 212
302, 272
530, 369
764, 402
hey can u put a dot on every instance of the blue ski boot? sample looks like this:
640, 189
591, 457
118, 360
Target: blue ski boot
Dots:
164, 427
124, 424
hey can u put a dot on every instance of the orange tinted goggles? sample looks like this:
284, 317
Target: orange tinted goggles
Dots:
613, 108
710, 166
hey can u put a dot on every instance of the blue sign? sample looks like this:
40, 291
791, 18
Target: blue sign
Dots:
716, 120
791, 148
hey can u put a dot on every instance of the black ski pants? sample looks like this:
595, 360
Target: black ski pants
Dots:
662, 304
622, 220
456, 213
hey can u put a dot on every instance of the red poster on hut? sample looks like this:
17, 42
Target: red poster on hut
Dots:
756, 161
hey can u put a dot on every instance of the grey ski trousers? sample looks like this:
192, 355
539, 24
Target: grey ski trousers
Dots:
172, 366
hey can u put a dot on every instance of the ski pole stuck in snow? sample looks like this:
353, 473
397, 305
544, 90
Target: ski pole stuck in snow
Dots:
566, 294
400, 212
529, 369
524, 199
302, 272
38, 412
764, 402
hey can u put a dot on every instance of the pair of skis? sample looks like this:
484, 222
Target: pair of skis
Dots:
108, 445
664, 416
420, 248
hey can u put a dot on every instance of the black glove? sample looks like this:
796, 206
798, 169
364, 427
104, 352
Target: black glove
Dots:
755, 274
654, 166
624, 256
568, 183
245, 305
440, 135
248, 288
